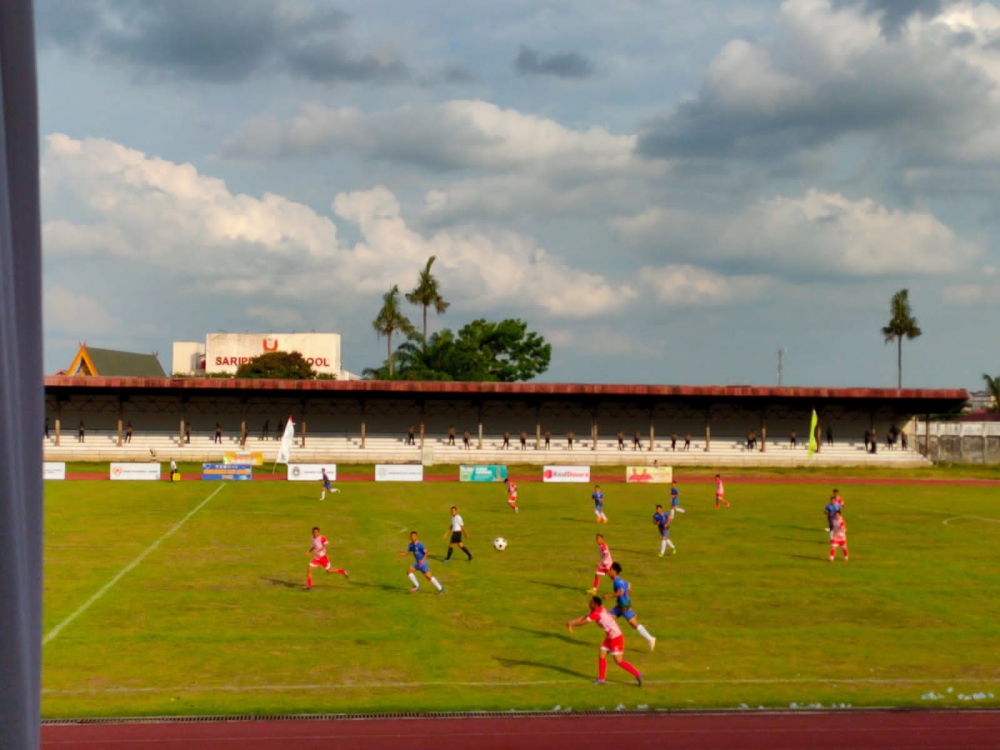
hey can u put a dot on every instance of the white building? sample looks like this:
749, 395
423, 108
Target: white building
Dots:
225, 352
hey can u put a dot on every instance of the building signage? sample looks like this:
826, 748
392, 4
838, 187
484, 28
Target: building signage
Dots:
225, 352
136, 472
482, 473
256, 458
649, 474
227, 472
54, 470
311, 472
566, 474
399, 473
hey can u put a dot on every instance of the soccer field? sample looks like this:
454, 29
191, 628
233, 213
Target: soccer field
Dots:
214, 618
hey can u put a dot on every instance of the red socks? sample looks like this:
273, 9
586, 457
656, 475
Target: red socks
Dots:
339, 570
597, 581
309, 583
629, 668
602, 668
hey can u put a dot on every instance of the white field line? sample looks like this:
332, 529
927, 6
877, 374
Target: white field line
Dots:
977, 518
121, 574
508, 683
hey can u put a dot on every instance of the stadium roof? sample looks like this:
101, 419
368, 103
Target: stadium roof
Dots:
93, 362
921, 400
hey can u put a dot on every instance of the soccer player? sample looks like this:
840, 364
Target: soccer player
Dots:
720, 492
662, 521
598, 498
675, 500
327, 487
319, 558
419, 552
838, 536
512, 494
837, 499
623, 608
831, 510
457, 531
603, 564
614, 641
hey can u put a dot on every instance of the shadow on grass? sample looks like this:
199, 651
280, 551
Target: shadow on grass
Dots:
810, 558
286, 584
798, 541
557, 636
383, 587
590, 522
564, 587
552, 667
642, 553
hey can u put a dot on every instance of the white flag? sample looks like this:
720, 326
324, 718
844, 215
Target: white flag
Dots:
285, 449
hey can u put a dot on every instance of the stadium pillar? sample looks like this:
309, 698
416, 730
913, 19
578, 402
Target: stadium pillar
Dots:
480, 420
538, 427
816, 434
183, 421
763, 432
652, 430
927, 435
593, 429
120, 409
58, 419
423, 414
362, 424
708, 429
303, 444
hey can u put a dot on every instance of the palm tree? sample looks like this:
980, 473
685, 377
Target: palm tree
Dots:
426, 293
901, 325
390, 320
993, 389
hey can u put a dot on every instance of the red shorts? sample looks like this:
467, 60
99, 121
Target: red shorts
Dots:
320, 562
512, 499
838, 542
718, 496
601, 570
614, 645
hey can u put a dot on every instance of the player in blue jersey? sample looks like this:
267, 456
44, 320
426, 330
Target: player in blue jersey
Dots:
675, 499
623, 593
831, 510
662, 521
419, 553
327, 487
598, 498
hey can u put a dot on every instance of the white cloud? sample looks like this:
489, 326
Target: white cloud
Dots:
690, 286
814, 235
69, 314
155, 212
276, 317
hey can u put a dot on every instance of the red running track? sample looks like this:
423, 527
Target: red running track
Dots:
873, 730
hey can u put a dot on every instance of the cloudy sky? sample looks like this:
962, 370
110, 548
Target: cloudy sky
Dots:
669, 191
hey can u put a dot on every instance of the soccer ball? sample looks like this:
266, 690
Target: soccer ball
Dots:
499, 544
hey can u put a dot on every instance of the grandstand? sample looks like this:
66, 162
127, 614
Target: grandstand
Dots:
368, 421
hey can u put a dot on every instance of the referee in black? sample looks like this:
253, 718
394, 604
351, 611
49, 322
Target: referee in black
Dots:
457, 530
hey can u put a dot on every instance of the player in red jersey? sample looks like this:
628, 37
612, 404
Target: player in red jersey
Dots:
720, 492
512, 495
614, 641
604, 564
838, 536
319, 558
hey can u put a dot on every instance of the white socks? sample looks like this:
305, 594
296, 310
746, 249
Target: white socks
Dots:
663, 546
641, 630
437, 585
679, 509
669, 543
414, 579
323, 496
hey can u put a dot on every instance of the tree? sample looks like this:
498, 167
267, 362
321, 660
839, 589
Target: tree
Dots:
426, 293
901, 325
993, 389
277, 365
504, 351
390, 320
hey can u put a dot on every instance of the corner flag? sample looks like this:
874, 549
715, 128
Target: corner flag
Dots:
285, 449
812, 434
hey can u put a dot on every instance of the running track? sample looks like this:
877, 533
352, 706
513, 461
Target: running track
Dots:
862, 730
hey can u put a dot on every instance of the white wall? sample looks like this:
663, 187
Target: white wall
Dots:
224, 352
188, 356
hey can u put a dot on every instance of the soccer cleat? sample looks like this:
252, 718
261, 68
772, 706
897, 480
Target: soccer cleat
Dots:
592, 591
600, 682
447, 559
441, 591
639, 678
470, 558
661, 554
345, 575
652, 643
415, 589
845, 559
673, 550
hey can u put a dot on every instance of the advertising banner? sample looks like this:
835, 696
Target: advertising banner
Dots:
311, 472
482, 473
399, 473
54, 470
649, 474
136, 472
227, 472
255, 458
566, 474
225, 352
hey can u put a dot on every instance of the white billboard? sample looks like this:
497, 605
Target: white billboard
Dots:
399, 473
54, 470
566, 474
136, 472
311, 472
225, 352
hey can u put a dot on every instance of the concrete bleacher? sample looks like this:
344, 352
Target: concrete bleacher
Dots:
381, 448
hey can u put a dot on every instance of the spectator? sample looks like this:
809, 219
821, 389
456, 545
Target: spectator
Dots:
506, 440
465, 440
902, 439
791, 439
265, 429
187, 433
218, 433
128, 431
636, 441
687, 441
524, 440
874, 447
621, 440
46, 428
829, 435
80, 432
410, 440
673, 441
451, 435
751, 440
243, 434
569, 439
173, 469
548, 439
868, 440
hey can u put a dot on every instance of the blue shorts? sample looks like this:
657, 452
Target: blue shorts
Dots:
326, 486
664, 533
628, 613
598, 505
421, 567
675, 502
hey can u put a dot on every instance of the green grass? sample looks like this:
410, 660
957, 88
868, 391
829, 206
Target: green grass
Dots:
215, 619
